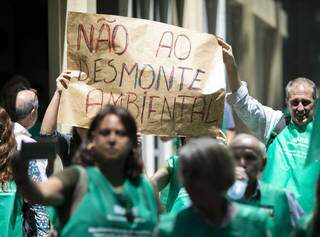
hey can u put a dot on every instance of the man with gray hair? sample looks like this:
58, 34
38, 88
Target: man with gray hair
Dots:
287, 143
24, 114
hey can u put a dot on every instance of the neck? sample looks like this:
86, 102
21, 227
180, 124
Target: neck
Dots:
114, 173
215, 212
24, 123
251, 188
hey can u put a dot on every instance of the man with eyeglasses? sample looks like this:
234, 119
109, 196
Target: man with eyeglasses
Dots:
287, 141
22, 102
250, 158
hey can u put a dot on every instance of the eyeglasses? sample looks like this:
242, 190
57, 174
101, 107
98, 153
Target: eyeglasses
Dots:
127, 204
107, 132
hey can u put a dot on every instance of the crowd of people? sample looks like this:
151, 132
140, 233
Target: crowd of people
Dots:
245, 185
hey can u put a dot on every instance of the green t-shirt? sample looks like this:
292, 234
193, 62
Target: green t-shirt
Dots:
245, 221
304, 228
275, 202
10, 211
286, 164
174, 197
105, 212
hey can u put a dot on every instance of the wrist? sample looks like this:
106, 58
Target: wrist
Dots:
58, 92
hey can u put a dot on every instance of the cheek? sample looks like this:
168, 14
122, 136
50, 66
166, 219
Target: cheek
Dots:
125, 142
253, 169
125, 145
99, 140
310, 108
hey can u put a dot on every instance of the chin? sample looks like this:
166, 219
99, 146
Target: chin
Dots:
112, 156
301, 123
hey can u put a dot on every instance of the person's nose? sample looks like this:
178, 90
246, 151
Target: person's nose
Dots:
242, 162
300, 107
112, 139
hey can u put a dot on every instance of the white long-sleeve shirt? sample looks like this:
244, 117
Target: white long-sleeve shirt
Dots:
257, 117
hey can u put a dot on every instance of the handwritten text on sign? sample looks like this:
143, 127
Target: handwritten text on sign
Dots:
165, 75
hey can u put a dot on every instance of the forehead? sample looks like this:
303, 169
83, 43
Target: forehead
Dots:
300, 90
111, 121
240, 144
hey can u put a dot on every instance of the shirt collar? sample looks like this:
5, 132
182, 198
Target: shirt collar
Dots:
19, 129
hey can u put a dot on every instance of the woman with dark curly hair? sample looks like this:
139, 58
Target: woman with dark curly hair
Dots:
10, 200
110, 197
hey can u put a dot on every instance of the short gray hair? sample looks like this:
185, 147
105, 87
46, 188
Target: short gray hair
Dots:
26, 108
305, 80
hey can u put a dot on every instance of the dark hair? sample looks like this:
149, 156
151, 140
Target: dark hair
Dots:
9, 93
302, 80
133, 166
316, 214
7, 147
210, 159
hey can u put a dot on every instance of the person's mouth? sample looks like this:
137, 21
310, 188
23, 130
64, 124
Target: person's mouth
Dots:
301, 117
112, 150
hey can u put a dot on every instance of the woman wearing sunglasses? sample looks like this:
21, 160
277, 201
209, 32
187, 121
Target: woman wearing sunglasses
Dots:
110, 197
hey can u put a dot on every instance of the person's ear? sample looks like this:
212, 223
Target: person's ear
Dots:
34, 113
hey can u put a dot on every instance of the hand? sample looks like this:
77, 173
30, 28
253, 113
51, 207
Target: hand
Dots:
139, 138
221, 136
229, 61
227, 53
63, 80
240, 173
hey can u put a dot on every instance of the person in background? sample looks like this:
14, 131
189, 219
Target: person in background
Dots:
10, 201
207, 171
108, 197
67, 143
228, 125
22, 102
166, 180
287, 140
250, 158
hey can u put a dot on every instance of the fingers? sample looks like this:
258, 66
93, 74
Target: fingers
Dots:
139, 138
221, 136
240, 173
63, 80
223, 44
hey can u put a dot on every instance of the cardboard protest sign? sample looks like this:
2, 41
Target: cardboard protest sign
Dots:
167, 76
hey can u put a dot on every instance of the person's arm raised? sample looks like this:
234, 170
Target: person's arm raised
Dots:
49, 122
161, 178
49, 192
257, 117
231, 67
